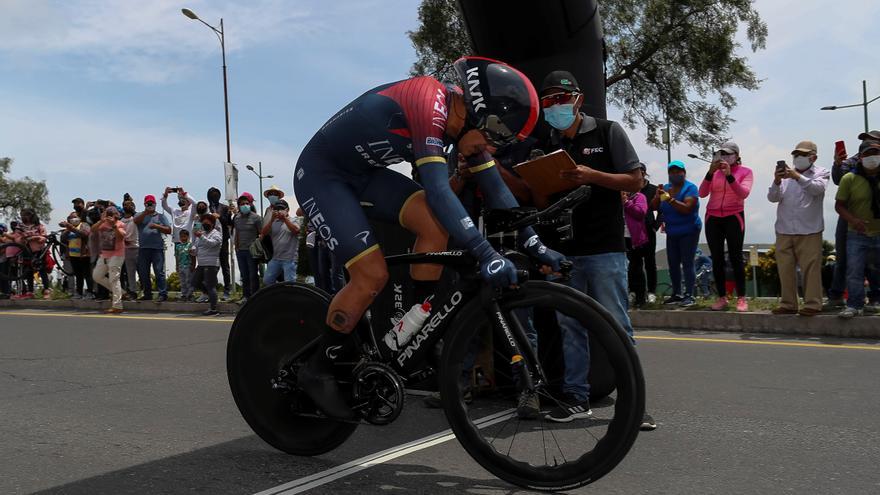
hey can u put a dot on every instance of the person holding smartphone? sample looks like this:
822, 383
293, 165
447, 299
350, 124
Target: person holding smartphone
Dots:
799, 192
152, 229
727, 185
285, 243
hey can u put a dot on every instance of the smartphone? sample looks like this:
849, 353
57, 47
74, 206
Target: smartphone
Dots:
839, 147
780, 165
173, 189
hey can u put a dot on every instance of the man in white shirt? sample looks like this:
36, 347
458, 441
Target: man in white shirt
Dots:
181, 217
799, 192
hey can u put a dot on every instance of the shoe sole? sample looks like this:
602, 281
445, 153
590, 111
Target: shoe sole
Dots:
569, 419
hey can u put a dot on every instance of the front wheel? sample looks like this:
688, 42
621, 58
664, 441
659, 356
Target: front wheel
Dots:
271, 329
539, 453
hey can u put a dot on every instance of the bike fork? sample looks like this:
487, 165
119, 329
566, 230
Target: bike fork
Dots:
517, 344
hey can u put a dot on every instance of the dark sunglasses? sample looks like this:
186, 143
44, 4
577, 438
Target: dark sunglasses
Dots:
558, 99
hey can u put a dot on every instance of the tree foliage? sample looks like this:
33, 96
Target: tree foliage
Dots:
666, 58
16, 194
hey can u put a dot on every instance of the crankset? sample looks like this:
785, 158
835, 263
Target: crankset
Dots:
378, 393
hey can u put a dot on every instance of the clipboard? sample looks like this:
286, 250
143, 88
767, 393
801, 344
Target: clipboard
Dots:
542, 174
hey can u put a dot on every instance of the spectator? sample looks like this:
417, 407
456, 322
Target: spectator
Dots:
76, 238
858, 202
285, 245
152, 226
727, 184
703, 267
221, 213
79, 206
799, 192
841, 166
111, 232
181, 217
246, 230
94, 214
132, 234
33, 234
679, 204
207, 248
184, 265
635, 208
597, 250
273, 194
648, 252
5, 286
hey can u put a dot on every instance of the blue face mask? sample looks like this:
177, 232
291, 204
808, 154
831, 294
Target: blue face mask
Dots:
676, 180
245, 209
273, 199
560, 116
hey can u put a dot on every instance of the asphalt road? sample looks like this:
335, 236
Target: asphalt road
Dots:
95, 404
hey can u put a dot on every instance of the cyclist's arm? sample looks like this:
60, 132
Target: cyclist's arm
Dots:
495, 191
434, 175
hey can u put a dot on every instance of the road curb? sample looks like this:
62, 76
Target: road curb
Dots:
820, 325
133, 306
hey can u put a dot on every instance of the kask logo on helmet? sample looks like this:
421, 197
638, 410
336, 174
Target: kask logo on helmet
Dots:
473, 82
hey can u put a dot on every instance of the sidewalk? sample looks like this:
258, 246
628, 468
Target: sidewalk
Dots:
828, 325
133, 306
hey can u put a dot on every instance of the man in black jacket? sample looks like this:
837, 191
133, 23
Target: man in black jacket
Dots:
221, 213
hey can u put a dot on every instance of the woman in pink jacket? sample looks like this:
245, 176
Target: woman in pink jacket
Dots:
635, 207
727, 185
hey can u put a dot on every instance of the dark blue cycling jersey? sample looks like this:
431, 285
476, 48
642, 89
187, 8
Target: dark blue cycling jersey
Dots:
341, 178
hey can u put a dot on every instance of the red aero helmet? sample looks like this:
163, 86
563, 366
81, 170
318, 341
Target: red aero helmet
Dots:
500, 100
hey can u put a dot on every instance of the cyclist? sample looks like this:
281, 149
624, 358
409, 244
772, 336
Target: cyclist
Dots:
344, 166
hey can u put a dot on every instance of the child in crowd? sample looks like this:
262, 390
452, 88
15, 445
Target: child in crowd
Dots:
185, 265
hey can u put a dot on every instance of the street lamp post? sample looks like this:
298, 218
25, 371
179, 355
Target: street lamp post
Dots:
219, 32
221, 36
864, 104
697, 157
261, 177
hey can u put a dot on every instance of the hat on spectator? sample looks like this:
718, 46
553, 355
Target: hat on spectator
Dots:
870, 136
273, 189
868, 144
283, 203
77, 200
729, 147
149, 197
676, 164
560, 79
112, 211
805, 147
248, 196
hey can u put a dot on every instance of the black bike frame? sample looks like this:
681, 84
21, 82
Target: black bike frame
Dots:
411, 360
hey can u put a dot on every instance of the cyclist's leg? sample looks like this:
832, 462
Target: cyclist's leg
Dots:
398, 199
330, 201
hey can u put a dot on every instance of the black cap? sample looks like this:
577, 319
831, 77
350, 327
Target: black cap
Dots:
77, 200
870, 136
282, 203
562, 80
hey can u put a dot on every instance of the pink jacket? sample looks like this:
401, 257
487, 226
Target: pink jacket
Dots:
727, 198
634, 211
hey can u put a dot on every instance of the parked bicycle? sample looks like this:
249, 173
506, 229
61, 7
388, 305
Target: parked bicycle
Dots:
22, 263
277, 329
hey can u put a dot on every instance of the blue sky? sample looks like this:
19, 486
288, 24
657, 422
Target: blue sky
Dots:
103, 97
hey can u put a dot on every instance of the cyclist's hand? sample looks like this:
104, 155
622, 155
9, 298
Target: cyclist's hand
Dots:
544, 255
498, 271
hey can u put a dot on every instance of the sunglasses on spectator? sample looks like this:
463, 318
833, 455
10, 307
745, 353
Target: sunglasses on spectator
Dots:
558, 99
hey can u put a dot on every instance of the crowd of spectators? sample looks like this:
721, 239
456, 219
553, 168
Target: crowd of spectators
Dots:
118, 253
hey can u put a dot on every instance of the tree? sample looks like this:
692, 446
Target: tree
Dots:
674, 59
16, 194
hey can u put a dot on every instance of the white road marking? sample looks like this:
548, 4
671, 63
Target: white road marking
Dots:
328, 476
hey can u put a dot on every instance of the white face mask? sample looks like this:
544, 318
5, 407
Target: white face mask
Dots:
871, 162
802, 163
729, 159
